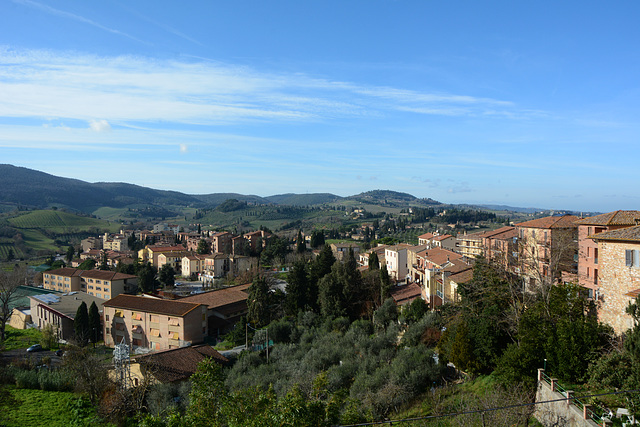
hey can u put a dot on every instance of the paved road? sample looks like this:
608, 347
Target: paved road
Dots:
36, 356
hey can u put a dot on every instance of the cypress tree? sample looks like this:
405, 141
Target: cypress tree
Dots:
81, 324
94, 323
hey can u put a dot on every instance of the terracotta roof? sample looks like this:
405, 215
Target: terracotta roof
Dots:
405, 293
623, 234
220, 297
563, 221
92, 274
498, 231
178, 364
439, 256
166, 248
425, 236
65, 271
152, 305
398, 247
462, 276
443, 237
460, 264
612, 218
106, 275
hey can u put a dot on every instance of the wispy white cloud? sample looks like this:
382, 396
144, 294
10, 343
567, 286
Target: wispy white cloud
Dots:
131, 90
61, 13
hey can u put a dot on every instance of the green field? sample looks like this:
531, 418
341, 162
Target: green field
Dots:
46, 231
58, 221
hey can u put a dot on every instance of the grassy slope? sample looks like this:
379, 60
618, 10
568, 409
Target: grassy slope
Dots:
37, 407
20, 338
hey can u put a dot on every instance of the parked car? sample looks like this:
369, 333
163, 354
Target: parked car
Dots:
35, 347
59, 353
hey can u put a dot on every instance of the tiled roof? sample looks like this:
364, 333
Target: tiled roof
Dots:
178, 364
564, 221
405, 293
443, 237
425, 236
497, 233
152, 305
439, 256
166, 248
460, 264
462, 276
622, 234
106, 275
398, 247
220, 297
612, 218
92, 274
65, 271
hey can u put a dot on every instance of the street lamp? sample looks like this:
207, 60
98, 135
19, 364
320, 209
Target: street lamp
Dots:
545, 365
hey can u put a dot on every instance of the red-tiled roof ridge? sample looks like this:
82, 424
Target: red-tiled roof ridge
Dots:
167, 248
561, 221
619, 217
152, 305
220, 297
623, 234
178, 364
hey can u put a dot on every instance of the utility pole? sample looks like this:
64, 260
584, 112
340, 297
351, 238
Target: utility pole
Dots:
267, 346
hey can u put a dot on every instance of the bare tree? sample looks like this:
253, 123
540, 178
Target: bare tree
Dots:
542, 259
9, 283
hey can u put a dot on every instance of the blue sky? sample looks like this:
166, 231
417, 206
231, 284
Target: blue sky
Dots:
518, 103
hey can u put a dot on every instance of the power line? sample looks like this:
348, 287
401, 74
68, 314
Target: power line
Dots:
477, 411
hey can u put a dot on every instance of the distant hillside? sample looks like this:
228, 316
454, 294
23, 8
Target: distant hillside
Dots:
215, 199
24, 234
27, 187
53, 219
388, 197
303, 199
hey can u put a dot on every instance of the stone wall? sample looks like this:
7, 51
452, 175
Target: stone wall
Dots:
559, 413
616, 279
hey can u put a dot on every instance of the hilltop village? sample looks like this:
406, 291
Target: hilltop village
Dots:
174, 300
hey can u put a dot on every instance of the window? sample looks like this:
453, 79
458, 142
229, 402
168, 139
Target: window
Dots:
632, 258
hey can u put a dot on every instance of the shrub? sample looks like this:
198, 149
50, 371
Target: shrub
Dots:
27, 379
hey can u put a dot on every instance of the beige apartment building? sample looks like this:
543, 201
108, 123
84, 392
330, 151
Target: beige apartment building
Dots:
153, 323
98, 283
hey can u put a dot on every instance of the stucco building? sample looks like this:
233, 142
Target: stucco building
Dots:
153, 323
